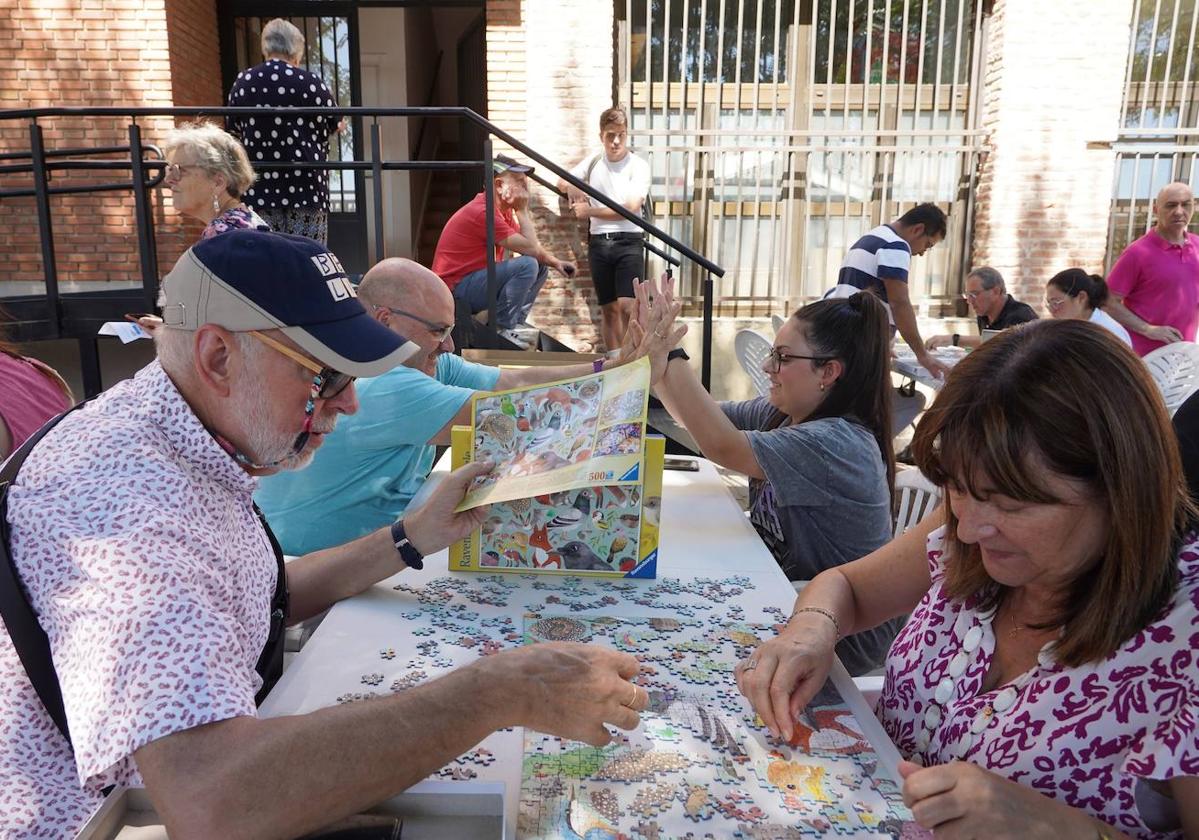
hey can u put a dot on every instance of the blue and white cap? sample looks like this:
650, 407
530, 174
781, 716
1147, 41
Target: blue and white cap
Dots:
254, 280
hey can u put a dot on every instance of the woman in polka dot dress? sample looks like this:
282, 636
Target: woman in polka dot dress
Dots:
292, 201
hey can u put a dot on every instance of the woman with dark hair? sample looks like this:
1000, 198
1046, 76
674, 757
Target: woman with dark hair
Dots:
32, 393
1075, 295
817, 449
1046, 679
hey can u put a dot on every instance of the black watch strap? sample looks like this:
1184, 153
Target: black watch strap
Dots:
412, 558
677, 353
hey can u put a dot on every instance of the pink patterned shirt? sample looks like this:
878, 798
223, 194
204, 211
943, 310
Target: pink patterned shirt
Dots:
134, 536
1085, 736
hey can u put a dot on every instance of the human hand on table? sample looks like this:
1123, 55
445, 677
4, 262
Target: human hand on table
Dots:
784, 673
434, 525
568, 689
938, 341
933, 365
964, 800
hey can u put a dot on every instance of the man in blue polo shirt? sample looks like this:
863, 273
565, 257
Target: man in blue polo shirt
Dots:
880, 261
370, 468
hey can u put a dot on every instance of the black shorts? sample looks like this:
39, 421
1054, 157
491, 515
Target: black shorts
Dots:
615, 263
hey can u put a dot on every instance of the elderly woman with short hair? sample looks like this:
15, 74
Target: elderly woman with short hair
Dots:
1046, 682
208, 173
293, 200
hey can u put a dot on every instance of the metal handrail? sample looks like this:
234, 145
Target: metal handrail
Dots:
40, 167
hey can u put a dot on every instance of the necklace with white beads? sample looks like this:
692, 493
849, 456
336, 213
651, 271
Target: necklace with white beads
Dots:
950, 686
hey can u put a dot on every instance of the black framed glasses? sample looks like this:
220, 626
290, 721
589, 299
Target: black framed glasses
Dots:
441, 331
332, 382
776, 358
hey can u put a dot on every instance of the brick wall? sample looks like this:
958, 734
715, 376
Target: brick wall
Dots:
1043, 197
192, 42
549, 75
98, 53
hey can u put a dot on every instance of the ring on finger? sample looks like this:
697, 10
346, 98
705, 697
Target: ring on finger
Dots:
632, 704
749, 664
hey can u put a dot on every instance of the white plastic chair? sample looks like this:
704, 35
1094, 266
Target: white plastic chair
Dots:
1175, 369
777, 322
917, 497
752, 348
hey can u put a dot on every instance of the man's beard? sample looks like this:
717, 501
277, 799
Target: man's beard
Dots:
267, 445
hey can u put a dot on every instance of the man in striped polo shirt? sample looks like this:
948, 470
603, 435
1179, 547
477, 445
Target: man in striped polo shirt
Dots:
879, 262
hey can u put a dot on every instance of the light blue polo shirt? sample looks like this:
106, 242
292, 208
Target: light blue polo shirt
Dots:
367, 471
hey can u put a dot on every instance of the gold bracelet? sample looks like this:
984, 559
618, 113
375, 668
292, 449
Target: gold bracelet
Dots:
822, 611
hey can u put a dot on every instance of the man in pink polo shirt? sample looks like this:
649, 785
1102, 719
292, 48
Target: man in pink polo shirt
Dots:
1155, 283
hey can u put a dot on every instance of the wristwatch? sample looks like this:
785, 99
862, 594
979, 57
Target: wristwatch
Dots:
412, 558
678, 353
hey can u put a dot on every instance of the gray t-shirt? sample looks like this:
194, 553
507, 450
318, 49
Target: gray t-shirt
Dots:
824, 502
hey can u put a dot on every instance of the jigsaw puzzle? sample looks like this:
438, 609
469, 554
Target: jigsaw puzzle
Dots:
701, 764
559, 436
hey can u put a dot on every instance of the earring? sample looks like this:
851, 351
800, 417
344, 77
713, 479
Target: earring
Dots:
216, 205
821, 386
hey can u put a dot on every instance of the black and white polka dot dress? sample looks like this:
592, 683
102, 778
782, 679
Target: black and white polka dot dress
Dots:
276, 139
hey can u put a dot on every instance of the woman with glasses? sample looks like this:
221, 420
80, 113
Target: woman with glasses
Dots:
208, 172
817, 449
1074, 295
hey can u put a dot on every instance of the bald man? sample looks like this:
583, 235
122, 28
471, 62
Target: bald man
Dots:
1155, 283
373, 464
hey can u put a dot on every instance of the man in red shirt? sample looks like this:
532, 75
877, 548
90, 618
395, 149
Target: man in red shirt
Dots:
1155, 283
461, 256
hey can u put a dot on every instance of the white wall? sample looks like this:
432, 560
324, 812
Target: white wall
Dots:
385, 85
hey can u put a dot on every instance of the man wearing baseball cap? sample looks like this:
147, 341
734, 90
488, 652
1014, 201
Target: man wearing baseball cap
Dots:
159, 594
461, 256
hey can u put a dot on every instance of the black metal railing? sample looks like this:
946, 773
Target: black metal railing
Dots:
147, 172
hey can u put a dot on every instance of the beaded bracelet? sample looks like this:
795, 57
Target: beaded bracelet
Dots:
822, 611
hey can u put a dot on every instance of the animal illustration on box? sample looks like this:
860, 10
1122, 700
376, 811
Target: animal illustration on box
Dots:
595, 529
535, 431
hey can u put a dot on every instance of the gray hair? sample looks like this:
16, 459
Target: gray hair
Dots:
989, 277
176, 350
283, 38
217, 152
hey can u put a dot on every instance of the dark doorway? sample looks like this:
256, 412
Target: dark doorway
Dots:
472, 93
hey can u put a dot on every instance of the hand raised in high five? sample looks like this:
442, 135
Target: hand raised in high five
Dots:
654, 329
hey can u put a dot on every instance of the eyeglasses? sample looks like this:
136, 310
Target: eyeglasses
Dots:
973, 295
441, 331
328, 382
775, 359
1055, 304
175, 171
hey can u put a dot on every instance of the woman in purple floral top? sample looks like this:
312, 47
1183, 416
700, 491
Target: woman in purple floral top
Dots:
208, 172
1046, 683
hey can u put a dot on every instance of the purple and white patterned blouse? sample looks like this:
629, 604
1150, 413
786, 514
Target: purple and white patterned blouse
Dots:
1085, 736
240, 217
134, 535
